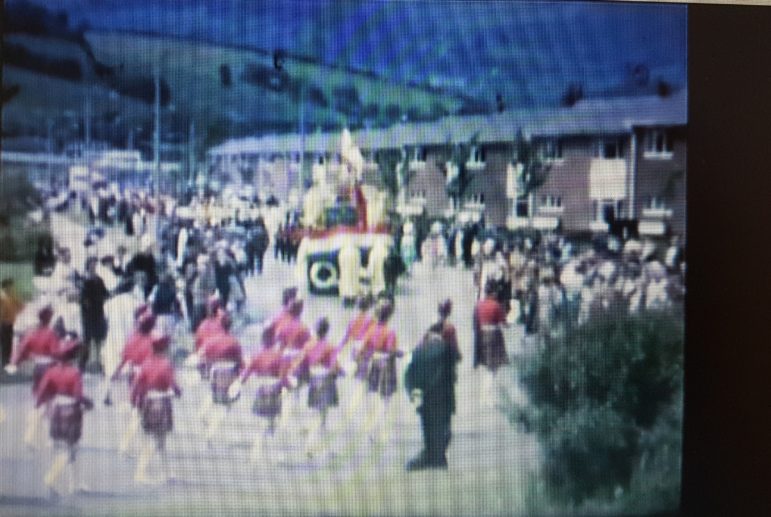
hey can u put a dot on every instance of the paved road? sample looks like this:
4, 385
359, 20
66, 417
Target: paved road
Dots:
489, 460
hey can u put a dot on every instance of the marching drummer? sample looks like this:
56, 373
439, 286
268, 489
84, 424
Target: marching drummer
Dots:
320, 358
288, 296
489, 344
293, 333
211, 324
222, 357
291, 337
151, 395
61, 389
381, 348
358, 327
271, 379
41, 346
138, 348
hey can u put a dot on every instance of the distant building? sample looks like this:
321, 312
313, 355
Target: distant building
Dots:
607, 159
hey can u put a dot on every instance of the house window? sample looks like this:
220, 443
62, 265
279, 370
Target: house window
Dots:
549, 201
420, 154
477, 198
477, 154
658, 143
320, 159
551, 150
610, 148
521, 209
606, 210
654, 203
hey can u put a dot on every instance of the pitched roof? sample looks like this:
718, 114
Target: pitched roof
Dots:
587, 117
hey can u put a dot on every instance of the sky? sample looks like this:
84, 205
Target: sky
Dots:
529, 50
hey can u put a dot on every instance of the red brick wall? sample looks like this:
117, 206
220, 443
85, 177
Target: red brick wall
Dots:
664, 178
569, 178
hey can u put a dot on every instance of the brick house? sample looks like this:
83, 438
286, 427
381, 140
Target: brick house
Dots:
615, 158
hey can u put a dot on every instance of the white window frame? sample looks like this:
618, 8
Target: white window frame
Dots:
651, 147
477, 157
415, 162
550, 204
655, 207
551, 150
599, 151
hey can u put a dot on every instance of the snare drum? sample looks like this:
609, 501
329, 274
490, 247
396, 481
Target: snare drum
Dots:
157, 412
381, 377
66, 419
492, 352
322, 392
223, 373
287, 358
41, 365
267, 400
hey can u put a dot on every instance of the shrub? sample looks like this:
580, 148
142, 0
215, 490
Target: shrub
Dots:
601, 400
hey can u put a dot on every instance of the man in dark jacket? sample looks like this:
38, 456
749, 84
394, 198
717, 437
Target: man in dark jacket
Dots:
93, 295
430, 380
392, 268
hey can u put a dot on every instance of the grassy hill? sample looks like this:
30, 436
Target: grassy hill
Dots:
226, 91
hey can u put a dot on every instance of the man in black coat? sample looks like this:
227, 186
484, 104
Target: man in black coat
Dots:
430, 380
93, 295
392, 268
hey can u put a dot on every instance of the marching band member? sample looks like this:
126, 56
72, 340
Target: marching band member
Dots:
356, 332
266, 365
320, 359
138, 348
61, 390
358, 327
381, 347
222, 358
151, 395
291, 337
40, 345
279, 320
211, 325
489, 344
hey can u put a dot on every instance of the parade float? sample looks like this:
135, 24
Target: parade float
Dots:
343, 220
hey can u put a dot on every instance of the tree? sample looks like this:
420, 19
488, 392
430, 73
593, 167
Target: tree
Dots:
533, 171
603, 397
393, 165
456, 186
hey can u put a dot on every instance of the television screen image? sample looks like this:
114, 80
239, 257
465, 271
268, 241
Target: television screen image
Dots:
342, 258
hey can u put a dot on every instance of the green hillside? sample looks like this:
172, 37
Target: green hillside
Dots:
226, 91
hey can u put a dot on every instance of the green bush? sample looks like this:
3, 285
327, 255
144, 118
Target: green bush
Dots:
600, 402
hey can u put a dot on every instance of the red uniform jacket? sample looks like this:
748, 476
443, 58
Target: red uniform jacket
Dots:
209, 327
266, 362
59, 379
42, 341
321, 352
156, 373
138, 348
489, 312
380, 339
293, 334
221, 347
358, 327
